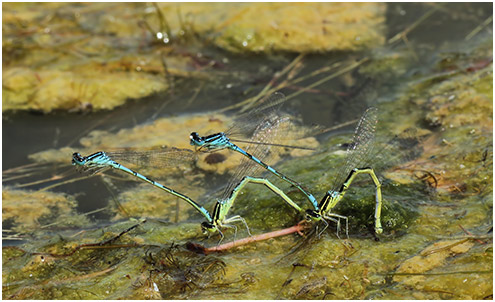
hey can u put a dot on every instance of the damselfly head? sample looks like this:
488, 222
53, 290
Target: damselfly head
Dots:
312, 215
78, 159
208, 228
91, 164
196, 140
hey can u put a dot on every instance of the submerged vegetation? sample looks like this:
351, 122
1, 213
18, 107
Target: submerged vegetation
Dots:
434, 157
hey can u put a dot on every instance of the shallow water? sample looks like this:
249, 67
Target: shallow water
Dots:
437, 213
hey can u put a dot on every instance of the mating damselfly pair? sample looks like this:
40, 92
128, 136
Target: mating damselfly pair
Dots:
259, 127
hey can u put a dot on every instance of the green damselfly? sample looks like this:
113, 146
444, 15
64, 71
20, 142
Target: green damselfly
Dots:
262, 119
357, 161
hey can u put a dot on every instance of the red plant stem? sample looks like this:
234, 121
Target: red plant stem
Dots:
471, 234
297, 228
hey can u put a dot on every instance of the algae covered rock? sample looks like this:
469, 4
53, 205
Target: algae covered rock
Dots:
444, 267
302, 27
290, 27
47, 90
30, 211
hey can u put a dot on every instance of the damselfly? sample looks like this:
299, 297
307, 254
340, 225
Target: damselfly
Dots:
99, 161
247, 168
357, 162
263, 119
214, 223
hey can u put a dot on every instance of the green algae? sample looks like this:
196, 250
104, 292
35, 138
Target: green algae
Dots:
72, 57
317, 287
143, 202
331, 270
421, 272
312, 27
461, 105
422, 217
31, 211
387, 64
55, 61
79, 90
265, 27
124, 269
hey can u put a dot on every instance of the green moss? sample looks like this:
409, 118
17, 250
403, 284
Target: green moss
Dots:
484, 85
387, 65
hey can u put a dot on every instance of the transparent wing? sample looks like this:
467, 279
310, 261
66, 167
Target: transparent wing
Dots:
246, 124
359, 152
165, 157
264, 133
92, 168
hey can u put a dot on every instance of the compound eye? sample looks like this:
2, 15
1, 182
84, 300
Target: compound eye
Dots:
207, 226
195, 136
311, 214
76, 157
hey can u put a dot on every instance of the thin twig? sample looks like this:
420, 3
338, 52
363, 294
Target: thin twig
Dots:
265, 90
100, 245
327, 78
479, 28
164, 26
308, 88
89, 246
123, 232
278, 75
64, 182
196, 92
91, 127
339, 126
107, 183
471, 234
302, 78
13, 238
412, 26
473, 237
19, 176
15, 169
62, 175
